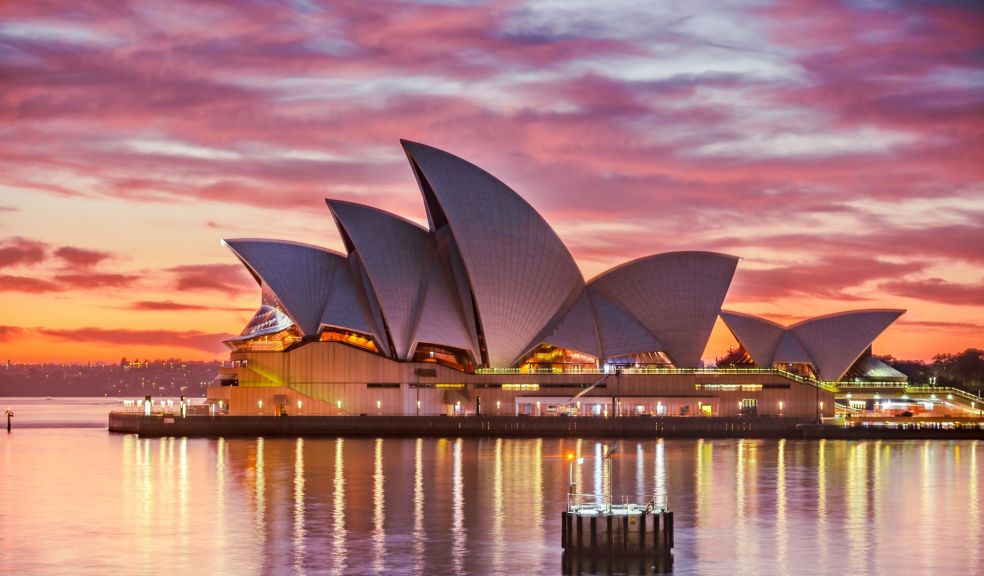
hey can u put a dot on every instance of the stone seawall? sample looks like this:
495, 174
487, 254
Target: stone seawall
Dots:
214, 426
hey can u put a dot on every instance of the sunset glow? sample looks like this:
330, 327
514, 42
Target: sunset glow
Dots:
835, 147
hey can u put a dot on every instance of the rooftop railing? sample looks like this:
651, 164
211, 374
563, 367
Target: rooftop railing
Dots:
943, 390
851, 385
829, 386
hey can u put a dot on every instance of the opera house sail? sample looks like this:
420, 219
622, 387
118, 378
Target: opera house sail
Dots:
486, 304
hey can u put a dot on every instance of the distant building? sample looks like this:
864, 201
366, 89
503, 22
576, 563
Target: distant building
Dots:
485, 309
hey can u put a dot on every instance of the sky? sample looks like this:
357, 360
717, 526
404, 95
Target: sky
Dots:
837, 147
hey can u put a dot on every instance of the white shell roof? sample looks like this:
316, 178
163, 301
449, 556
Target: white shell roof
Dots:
441, 320
758, 336
347, 309
313, 285
576, 329
620, 333
489, 256
790, 351
394, 252
677, 296
836, 341
831, 343
520, 273
299, 275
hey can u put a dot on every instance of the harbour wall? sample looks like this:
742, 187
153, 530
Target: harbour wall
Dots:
225, 425
518, 426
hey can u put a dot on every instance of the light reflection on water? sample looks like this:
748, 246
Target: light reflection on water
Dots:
92, 503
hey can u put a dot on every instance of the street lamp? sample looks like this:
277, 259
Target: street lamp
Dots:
570, 462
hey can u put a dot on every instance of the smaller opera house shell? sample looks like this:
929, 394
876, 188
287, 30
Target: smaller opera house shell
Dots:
487, 304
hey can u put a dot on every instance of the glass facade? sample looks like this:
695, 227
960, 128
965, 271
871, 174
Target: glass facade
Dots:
362, 341
555, 359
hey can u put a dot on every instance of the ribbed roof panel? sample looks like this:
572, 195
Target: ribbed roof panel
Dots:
836, 341
299, 275
520, 273
576, 329
677, 296
757, 335
790, 351
394, 252
620, 332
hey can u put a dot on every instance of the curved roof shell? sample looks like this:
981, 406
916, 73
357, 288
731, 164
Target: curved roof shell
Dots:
395, 253
619, 331
576, 330
442, 320
790, 351
758, 336
347, 308
313, 285
299, 275
676, 296
520, 273
836, 341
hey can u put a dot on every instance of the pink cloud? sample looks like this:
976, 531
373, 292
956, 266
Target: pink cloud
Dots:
937, 290
21, 252
10, 283
88, 280
170, 306
828, 278
81, 257
190, 339
227, 278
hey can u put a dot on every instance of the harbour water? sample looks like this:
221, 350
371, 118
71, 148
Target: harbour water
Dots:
77, 500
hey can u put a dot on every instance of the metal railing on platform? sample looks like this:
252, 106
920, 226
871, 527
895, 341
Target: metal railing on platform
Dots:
603, 504
943, 390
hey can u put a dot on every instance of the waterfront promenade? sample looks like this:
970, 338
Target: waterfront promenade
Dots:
525, 426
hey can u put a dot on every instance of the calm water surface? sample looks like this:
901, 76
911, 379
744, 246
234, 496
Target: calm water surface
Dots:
77, 500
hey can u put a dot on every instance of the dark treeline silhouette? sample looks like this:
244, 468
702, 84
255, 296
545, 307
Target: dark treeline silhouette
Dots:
128, 379
964, 370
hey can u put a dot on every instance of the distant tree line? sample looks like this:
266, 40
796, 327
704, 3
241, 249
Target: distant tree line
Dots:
964, 370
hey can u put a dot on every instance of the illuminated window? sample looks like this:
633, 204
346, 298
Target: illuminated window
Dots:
749, 406
449, 385
349, 337
276, 342
443, 355
730, 387
554, 359
526, 387
655, 359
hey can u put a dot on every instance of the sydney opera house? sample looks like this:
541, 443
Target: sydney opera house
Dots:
486, 311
